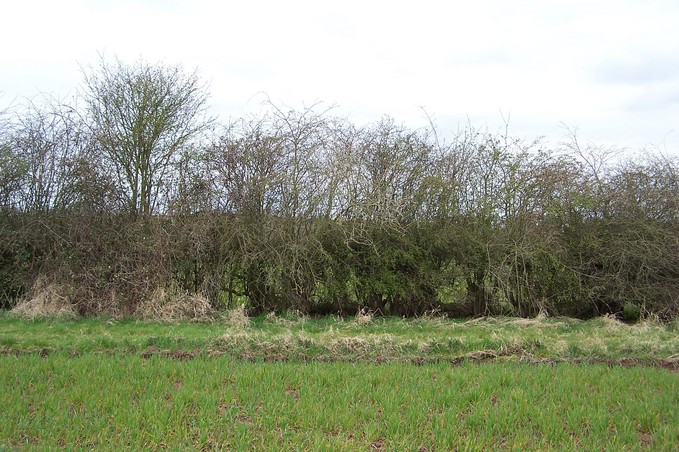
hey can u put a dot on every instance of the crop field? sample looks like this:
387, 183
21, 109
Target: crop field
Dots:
292, 383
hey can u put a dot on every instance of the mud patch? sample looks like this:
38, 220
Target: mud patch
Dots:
380, 444
182, 355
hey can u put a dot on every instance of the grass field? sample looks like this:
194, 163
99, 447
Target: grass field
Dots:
290, 383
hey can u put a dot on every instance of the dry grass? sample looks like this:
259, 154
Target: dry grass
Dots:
542, 320
171, 305
611, 322
433, 318
650, 320
538, 321
480, 320
238, 317
291, 319
350, 345
364, 317
46, 300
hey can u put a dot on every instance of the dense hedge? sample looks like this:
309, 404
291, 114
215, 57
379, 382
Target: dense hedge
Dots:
304, 210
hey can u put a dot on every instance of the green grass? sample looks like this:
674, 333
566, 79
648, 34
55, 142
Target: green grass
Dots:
91, 335
290, 383
382, 339
103, 401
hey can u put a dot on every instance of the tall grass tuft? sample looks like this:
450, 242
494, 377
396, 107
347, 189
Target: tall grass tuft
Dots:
364, 317
238, 317
46, 300
172, 305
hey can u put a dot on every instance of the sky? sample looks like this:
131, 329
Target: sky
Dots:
608, 69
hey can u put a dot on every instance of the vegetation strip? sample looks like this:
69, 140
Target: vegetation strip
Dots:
299, 338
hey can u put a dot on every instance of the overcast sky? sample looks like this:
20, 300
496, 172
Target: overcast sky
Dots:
608, 68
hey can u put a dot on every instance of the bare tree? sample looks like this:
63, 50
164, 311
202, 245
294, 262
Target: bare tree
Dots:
46, 150
142, 117
12, 166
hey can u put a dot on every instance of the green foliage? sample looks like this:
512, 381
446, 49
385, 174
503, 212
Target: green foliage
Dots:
631, 312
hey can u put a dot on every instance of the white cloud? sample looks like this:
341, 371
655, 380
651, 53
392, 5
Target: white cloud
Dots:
606, 67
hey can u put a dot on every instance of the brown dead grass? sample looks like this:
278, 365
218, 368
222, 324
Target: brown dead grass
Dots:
291, 318
171, 305
364, 317
611, 322
539, 321
46, 300
238, 317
